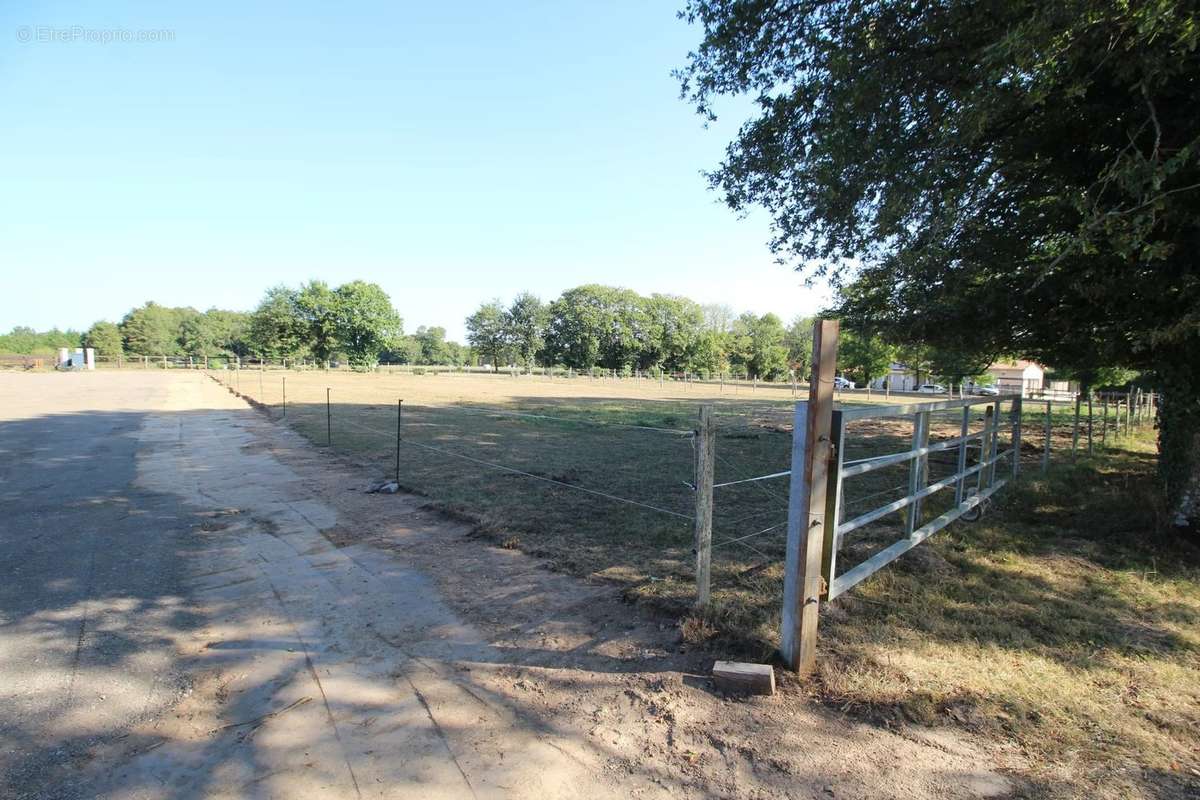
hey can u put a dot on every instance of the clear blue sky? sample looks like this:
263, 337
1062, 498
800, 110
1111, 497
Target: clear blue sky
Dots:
450, 152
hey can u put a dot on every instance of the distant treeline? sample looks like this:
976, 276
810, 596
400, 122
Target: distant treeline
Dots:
585, 327
613, 328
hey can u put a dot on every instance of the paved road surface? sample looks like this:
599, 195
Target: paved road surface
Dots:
176, 621
149, 546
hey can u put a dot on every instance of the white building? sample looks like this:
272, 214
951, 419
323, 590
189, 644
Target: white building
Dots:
79, 358
1010, 377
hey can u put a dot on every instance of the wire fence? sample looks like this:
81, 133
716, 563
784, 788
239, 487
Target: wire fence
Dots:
608, 486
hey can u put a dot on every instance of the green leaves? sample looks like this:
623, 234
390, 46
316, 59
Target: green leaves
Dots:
980, 177
356, 319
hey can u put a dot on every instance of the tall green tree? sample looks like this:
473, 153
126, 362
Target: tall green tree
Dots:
1020, 176
799, 343
152, 329
674, 324
758, 346
316, 305
276, 328
365, 322
105, 338
596, 325
431, 345
525, 322
487, 331
864, 357
215, 332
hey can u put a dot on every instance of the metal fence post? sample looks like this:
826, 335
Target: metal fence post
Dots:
806, 506
995, 449
1075, 427
833, 497
1046, 449
1104, 422
1016, 436
1091, 449
918, 469
985, 446
328, 419
960, 484
705, 463
399, 414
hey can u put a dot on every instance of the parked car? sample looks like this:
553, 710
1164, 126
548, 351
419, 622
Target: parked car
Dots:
931, 388
843, 383
988, 391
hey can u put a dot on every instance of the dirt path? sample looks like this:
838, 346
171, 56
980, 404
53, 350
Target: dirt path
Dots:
354, 645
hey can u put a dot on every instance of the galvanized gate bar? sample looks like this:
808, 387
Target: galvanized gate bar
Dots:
871, 464
833, 499
884, 557
850, 413
960, 487
896, 505
918, 470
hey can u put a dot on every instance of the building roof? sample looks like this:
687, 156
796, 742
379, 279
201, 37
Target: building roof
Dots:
1015, 364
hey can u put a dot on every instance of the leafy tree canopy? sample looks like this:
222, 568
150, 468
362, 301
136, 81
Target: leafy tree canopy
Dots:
1010, 176
364, 321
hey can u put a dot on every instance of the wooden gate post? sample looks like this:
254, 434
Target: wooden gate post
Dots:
705, 461
806, 505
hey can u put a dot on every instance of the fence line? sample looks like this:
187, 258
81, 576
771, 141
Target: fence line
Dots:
981, 469
515, 471
563, 420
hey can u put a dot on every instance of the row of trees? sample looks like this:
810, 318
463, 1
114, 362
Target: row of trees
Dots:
585, 327
1025, 180
614, 328
28, 342
355, 322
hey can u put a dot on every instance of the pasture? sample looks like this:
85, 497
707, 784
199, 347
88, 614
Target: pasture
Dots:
596, 475
1054, 622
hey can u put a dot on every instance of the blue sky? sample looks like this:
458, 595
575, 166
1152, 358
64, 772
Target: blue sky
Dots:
450, 152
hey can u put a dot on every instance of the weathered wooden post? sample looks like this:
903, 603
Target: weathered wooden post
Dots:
705, 463
806, 505
285, 396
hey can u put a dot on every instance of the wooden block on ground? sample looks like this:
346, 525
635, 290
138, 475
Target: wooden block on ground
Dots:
736, 676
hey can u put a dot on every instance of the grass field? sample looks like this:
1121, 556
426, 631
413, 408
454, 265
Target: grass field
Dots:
1061, 624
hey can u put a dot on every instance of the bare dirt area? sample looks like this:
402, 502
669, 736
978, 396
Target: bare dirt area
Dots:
348, 644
